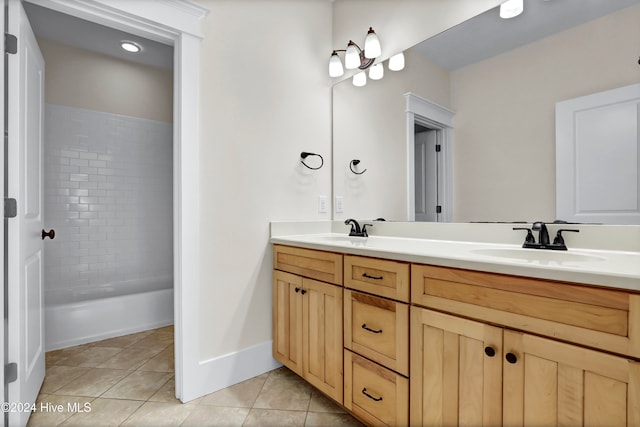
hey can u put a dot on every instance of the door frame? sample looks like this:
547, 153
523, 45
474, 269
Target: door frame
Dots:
439, 118
177, 23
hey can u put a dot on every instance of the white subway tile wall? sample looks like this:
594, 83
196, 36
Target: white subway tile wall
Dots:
109, 197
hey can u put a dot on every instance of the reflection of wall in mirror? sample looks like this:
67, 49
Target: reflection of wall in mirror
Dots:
380, 192
504, 128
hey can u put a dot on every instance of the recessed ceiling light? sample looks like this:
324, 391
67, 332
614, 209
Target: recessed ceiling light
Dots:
130, 46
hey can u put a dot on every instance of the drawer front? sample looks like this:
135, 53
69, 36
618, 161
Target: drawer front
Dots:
319, 265
385, 278
377, 328
375, 394
596, 317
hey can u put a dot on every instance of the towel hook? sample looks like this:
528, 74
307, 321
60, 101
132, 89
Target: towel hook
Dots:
355, 162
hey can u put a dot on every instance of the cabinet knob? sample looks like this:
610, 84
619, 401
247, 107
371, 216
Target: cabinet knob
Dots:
303, 291
50, 234
489, 351
297, 290
511, 358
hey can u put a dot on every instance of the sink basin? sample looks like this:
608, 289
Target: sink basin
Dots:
538, 256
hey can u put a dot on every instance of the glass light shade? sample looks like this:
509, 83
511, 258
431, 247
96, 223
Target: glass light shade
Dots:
372, 47
352, 56
360, 79
396, 62
511, 8
376, 72
335, 65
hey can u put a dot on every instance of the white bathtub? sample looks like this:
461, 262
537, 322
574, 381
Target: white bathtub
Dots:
78, 316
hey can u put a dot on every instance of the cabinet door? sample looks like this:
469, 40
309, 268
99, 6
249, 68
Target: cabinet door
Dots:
456, 371
552, 383
287, 320
322, 337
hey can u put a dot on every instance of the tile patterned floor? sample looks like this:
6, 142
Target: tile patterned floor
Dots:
129, 381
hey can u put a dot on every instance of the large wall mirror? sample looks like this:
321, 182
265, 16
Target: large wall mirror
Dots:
500, 79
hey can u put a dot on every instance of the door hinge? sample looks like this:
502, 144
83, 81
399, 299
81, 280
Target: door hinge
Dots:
438, 148
10, 208
10, 373
438, 209
10, 43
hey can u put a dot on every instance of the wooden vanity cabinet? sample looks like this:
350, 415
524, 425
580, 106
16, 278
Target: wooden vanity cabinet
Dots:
307, 317
497, 370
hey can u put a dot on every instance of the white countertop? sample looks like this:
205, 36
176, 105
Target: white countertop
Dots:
613, 269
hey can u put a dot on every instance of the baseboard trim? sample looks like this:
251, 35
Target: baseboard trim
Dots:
232, 368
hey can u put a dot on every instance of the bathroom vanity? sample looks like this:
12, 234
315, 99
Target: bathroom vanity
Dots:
405, 331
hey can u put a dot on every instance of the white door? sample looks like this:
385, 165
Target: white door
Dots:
598, 157
426, 175
25, 296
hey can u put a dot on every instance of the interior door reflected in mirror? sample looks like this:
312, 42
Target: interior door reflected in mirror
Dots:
500, 79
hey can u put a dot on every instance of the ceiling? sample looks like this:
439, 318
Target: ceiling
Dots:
487, 34
72, 31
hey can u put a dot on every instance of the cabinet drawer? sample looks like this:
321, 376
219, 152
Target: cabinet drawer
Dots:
377, 328
375, 394
319, 265
601, 318
385, 278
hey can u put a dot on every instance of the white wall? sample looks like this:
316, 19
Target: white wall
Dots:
265, 97
83, 79
505, 149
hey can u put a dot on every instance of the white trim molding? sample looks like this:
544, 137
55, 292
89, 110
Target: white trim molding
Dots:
174, 22
420, 110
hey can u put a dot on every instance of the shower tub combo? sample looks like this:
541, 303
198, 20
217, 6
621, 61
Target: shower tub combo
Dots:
81, 315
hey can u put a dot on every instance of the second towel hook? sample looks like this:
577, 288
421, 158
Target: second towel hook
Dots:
306, 154
355, 162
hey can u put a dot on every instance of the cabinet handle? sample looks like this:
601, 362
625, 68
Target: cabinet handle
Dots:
489, 351
372, 277
297, 290
364, 326
377, 399
511, 358
50, 234
303, 291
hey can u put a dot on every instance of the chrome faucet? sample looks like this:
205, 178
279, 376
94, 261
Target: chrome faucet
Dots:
543, 237
356, 231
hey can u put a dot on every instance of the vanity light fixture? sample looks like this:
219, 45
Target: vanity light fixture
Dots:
511, 8
360, 79
355, 57
396, 62
130, 46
